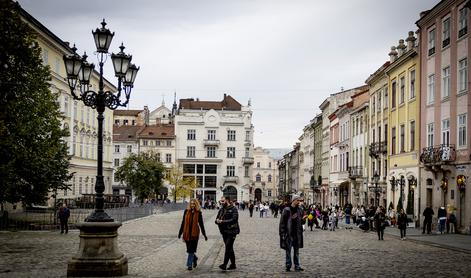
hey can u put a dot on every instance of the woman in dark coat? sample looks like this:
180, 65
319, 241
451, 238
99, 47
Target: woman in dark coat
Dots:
402, 224
379, 219
190, 228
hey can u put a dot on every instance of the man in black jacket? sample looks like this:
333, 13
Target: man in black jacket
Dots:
428, 214
228, 223
291, 231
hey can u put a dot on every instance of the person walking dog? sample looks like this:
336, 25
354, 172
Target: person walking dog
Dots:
190, 228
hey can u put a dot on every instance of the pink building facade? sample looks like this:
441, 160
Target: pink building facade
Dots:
445, 143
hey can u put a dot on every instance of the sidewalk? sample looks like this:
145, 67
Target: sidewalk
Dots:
456, 242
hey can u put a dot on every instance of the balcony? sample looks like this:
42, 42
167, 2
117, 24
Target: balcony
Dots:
438, 155
247, 160
355, 172
208, 142
377, 148
231, 179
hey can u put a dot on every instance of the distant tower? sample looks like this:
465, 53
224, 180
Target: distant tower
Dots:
174, 107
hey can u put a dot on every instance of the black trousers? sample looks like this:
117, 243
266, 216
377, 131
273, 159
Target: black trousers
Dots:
427, 223
403, 233
229, 252
64, 225
251, 212
380, 232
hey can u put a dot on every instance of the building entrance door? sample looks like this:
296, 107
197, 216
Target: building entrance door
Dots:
258, 194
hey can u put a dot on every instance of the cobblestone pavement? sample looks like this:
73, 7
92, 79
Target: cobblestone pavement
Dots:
153, 250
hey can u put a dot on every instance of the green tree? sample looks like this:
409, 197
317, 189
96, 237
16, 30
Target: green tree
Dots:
182, 187
143, 172
33, 154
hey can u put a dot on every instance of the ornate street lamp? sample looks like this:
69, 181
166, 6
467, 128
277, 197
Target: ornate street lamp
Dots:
375, 181
98, 234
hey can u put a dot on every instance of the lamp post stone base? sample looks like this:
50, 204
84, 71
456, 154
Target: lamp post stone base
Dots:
98, 252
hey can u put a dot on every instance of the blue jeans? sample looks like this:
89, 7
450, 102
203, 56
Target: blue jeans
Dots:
295, 247
347, 219
189, 261
441, 226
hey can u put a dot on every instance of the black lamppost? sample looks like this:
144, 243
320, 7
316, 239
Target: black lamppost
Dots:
99, 232
375, 189
395, 183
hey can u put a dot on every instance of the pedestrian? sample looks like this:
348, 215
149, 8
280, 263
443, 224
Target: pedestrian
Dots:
441, 219
332, 217
63, 215
310, 218
348, 213
379, 219
228, 223
428, 214
251, 206
451, 227
192, 222
291, 232
261, 209
265, 209
402, 223
275, 210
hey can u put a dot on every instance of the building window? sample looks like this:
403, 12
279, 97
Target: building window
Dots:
431, 89
431, 42
393, 95
211, 134
446, 132
247, 135
45, 53
269, 192
446, 83
191, 134
463, 74
462, 132
66, 105
157, 143
412, 136
75, 110
168, 158
402, 83
258, 178
430, 135
386, 99
231, 135
393, 140
211, 151
125, 122
129, 147
269, 165
412, 84
247, 152
403, 138
463, 22
144, 142
258, 164
373, 104
446, 33
169, 143
133, 122
116, 162
269, 178
158, 157
116, 148
230, 152
116, 122
246, 171
230, 171
190, 151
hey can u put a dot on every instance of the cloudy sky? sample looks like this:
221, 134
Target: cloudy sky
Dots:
286, 56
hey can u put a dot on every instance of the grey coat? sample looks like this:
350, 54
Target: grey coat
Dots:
285, 228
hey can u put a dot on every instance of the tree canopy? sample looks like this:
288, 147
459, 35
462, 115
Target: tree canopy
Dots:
33, 154
143, 172
182, 187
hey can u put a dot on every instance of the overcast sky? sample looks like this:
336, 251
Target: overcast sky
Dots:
286, 56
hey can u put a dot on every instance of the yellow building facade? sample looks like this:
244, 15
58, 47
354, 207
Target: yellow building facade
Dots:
404, 125
78, 119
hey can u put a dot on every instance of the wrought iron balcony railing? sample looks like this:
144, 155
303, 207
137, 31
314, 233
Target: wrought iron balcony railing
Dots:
438, 154
377, 148
355, 172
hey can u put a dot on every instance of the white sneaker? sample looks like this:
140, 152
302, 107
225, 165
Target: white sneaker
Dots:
404, 238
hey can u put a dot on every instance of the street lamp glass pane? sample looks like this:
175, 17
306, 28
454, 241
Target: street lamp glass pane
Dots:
131, 74
85, 73
120, 63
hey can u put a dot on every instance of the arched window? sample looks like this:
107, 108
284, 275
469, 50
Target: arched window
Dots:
258, 177
269, 178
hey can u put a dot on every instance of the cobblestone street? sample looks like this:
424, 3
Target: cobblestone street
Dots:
153, 250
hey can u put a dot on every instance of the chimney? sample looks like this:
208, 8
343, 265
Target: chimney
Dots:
401, 48
410, 40
146, 115
393, 54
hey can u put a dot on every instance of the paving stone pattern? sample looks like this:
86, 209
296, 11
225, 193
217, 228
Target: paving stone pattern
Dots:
153, 250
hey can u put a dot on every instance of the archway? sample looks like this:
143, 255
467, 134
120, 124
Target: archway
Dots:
231, 192
258, 194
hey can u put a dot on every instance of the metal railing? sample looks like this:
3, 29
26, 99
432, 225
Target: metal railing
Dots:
376, 148
355, 172
438, 154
